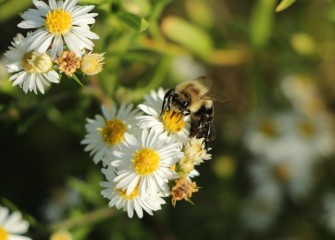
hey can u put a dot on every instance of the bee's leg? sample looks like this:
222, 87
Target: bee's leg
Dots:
167, 100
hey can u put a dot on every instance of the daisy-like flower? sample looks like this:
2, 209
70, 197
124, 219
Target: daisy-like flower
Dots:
92, 63
58, 23
261, 132
144, 161
134, 201
313, 136
170, 124
12, 225
107, 131
262, 208
33, 71
195, 150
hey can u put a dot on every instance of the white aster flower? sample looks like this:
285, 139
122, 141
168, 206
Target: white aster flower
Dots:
58, 23
195, 150
262, 131
313, 135
144, 160
131, 202
291, 175
171, 125
262, 208
33, 71
107, 131
12, 225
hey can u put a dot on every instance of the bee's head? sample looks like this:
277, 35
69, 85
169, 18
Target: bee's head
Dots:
181, 102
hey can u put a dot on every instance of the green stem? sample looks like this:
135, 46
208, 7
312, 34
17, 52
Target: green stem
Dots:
86, 219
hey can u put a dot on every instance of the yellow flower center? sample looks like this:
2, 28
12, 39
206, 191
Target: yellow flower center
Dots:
33, 62
146, 161
282, 173
173, 121
113, 131
307, 129
3, 234
268, 128
130, 196
58, 21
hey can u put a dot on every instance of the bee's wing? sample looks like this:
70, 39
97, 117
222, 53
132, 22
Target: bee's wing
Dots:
212, 93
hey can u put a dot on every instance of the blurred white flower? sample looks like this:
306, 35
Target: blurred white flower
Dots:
134, 201
261, 132
185, 67
12, 225
291, 176
107, 131
58, 23
313, 136
328, 214
33, 71
144, 161
303, 94
262, 208
169, 124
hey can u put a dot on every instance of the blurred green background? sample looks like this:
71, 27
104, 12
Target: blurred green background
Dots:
265, 62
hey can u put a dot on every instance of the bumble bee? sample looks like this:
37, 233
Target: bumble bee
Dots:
192, 98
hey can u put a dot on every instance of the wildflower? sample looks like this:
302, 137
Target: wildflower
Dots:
170, 124
107, 131
58, 23
262, 208
144, 161
262, 131
183, 188
68, 62
134, 201
61, 235
92, 63
33, 71
12, 225
195, 150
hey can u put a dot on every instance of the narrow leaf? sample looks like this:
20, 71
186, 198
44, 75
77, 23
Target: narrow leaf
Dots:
284, 4
134, 21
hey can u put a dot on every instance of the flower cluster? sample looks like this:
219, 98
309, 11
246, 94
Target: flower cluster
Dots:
12, 225
61, 43
287, 146
147, 155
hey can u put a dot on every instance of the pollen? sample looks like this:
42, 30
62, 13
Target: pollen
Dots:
173, 121
34, 62
113, 132
131, 196
3, 234
68, 62
58, 21
146, 161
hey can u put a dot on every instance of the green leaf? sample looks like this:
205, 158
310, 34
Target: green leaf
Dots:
9, 9
134, 21
96, 2
188, 35
284, 4
261, 22
77, 80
